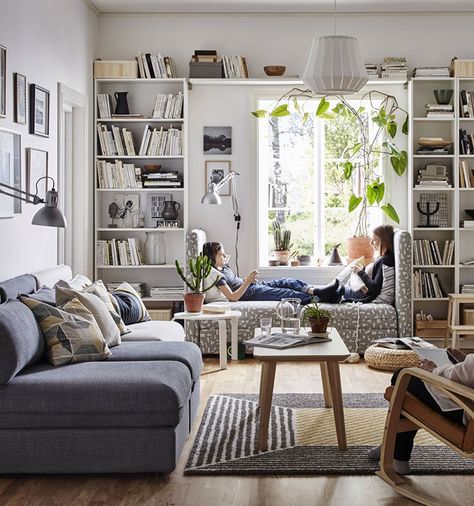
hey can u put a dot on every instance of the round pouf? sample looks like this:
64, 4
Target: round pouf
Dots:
390, 360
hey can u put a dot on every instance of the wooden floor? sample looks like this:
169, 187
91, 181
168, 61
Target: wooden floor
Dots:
176, 489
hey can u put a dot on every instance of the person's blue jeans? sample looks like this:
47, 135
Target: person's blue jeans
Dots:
278, 289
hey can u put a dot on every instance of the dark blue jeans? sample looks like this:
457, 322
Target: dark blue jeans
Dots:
278, 289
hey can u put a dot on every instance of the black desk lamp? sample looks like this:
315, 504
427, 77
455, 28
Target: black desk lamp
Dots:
49, 215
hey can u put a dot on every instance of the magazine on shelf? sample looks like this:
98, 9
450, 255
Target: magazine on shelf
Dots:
280, 341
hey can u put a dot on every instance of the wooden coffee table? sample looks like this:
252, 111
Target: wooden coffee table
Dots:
328, 354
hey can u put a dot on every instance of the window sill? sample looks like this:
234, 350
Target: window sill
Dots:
322, 268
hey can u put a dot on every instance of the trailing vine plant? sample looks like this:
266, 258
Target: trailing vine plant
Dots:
359, 161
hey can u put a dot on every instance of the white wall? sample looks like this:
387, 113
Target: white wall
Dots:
49, 41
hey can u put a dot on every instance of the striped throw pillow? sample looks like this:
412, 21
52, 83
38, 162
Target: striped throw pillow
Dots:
387, 294
132, 309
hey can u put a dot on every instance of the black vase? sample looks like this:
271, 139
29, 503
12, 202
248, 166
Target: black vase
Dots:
170, 210
122, 104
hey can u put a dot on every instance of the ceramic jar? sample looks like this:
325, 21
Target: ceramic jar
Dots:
155, 248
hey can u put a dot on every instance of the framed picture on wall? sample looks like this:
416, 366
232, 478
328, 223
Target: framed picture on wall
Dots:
216, 171
217, 140
155, 202
19, 98
10, 171
3, 81
36, 167
39, 111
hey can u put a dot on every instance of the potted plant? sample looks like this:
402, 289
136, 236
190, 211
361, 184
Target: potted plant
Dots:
359, 161
282, 238
199, 270
294, 262
318, 318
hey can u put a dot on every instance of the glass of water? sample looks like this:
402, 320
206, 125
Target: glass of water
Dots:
265, 326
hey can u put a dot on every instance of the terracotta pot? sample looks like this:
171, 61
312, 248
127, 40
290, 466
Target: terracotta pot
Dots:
282, 256
318, 325
359, 246
295, 263
193, 302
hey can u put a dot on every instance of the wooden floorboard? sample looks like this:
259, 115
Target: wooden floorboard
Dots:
175, 489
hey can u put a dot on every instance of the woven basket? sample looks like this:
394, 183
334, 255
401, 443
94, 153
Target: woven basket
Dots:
390, 360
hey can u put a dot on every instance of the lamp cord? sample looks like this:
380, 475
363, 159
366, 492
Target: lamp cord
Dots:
335, 18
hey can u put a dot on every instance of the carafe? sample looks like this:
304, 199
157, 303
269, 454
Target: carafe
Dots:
122, 104
288, 312
155, 248
170, 210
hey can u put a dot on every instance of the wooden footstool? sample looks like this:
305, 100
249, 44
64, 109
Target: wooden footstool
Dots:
387, 359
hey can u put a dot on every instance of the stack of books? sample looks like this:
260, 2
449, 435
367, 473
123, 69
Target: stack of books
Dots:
104, 105
442, 71
235, 67
394, 67
433, 176
466, 104
468, 223
118, 175
168, 106
138, 287
170, 179
161, 142
433, 146
151, 66
205, 56
426, 252
466, 176
439, 111
216, 308
114, 252
372, 69
467, 288
166, 292
115, 142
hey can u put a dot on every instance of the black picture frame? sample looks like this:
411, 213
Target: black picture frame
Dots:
217, 140
3, 81
19, 98
39, 110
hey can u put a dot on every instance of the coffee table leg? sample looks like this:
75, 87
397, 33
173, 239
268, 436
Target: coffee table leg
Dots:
336, 396
326, 384
265, 402
234, 322
222, 344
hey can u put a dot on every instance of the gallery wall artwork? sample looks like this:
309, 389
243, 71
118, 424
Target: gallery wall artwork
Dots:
10, 171
217, 140
39, 110
216, 171
36, 168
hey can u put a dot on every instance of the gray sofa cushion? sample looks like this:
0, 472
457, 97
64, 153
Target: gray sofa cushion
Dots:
105, 394
11, 288
187, 353
43, 294
21, 340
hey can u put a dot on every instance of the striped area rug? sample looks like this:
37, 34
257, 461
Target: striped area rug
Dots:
302, 438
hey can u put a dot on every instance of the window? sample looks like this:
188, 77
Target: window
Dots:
300, 183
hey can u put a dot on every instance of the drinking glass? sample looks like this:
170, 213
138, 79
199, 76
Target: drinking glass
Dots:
265, 326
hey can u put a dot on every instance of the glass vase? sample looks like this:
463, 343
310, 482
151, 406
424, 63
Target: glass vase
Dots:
155, 248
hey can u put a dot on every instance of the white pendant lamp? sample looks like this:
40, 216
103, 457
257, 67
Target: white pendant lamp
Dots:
335, 65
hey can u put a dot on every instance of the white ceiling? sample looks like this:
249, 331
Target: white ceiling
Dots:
353, 6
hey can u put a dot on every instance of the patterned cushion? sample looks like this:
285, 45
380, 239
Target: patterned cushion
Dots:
387, 294
100, 311
71, 332
132, 309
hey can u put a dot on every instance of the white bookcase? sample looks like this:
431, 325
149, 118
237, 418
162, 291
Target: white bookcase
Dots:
457, 199
141, 100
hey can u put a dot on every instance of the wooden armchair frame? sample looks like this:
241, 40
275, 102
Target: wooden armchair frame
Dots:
403, 404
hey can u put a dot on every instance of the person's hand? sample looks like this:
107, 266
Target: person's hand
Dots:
252, 277
357, 268
427, 365
457, 354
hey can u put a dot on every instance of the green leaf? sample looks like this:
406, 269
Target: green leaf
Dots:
322, 107
405, 126
348, 167
371, 194
353, 150
296, 105
361, 109
340, 109
392, 129
390, 212
354, 202
281, 110
399, 162
305, 117
261, 113
380, 193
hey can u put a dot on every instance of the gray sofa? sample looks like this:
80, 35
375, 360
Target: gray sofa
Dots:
129, 413
358, 324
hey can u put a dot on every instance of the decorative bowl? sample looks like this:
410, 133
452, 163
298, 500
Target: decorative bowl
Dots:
274, 70
305, 259
443, 96
470, 213
273, 263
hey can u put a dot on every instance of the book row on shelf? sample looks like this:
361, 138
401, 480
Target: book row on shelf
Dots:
118, 175
427, 285
154, 142
466, 104
151, 66
235, 66
116, 252
466, 142
427, 252
167, 106
467, 289
466, 175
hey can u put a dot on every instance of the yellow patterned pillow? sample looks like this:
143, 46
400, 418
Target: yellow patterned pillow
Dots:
71, 332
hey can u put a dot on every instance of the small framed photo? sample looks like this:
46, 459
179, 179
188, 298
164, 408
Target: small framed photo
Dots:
217, 140
3, 81
19, 94
216, 171
39, 111
36, 167
10, 171
155, 203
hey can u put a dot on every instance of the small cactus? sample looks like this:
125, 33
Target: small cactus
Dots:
199, 270
281, 237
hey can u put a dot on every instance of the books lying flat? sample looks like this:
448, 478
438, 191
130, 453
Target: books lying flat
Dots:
215, 308
280, 341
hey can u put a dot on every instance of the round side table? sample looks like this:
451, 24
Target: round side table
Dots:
221, 318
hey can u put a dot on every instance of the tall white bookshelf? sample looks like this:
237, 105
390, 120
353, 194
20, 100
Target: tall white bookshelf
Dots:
457, 198
141, 97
